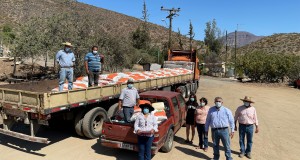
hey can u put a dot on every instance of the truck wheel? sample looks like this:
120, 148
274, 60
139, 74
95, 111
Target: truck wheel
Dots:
93, 121
112, 110
194, 88
168, 145
78, 123
188, 90
182, 90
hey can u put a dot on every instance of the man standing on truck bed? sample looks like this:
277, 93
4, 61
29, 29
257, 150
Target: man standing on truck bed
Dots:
92, 63
65, 58
128, 99
220, 119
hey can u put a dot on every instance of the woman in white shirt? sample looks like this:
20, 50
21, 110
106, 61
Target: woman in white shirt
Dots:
145, 126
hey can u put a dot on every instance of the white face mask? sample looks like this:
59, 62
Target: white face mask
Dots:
95, 52
218, 104
202, 104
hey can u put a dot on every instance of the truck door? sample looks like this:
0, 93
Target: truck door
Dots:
176, 112
182, 109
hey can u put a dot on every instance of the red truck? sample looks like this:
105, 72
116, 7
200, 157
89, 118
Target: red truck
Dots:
297, 83
120, 135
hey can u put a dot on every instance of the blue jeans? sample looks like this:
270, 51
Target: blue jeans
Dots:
128, 112
223, 135
144, 144
203, 140
246, 130
63, 74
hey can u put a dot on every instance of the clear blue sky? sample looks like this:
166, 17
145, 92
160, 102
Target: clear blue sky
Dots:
260, 17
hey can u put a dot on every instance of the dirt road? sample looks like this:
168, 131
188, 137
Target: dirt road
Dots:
279, 136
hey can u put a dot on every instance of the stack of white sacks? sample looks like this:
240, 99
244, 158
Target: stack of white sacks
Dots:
119, 78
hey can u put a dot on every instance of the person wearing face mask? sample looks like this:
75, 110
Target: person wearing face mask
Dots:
145, 126
65, 59
128, 99
200, 117
191, 105
247, 118
93, 65
220, 119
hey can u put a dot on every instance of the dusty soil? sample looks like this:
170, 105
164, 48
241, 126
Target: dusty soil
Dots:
279, 136
34, 86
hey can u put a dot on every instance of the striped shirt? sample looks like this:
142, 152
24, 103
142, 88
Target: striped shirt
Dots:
246, 115
145, 124
94, 62
129, 96
65, 59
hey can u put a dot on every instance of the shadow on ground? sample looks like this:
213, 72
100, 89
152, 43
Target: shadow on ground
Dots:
120, 154
54, 134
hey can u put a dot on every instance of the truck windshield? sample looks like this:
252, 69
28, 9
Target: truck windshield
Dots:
179, 64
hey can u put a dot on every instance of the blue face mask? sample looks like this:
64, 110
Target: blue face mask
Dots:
146, 110
129, 86
67, 49
192, 99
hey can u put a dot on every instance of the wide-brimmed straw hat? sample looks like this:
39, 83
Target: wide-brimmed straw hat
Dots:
142, 106
67, 44
247, 99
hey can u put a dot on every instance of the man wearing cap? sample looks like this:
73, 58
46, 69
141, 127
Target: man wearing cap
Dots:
220, 119
65, 58
93, 66
128, 99
247, 117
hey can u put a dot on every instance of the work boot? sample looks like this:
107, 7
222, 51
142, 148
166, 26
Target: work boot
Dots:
248, 155
241, 155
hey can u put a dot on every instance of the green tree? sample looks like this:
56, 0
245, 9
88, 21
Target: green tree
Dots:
141, 37
213, 37
7, 35
179, 38
191, 35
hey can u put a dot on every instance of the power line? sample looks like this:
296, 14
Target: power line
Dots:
172, 12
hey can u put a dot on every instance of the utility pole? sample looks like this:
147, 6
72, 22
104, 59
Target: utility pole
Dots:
226, 54
172, 12
235, 40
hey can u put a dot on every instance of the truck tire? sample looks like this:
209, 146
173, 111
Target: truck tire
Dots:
188, 90
168, 145
78, 123
112, 110
182, 90
93, 121
194, 88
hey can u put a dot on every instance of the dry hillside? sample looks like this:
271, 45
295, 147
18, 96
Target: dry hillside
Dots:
15, 12
288, 43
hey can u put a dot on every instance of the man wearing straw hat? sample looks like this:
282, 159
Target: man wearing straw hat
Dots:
65, 58
247, 117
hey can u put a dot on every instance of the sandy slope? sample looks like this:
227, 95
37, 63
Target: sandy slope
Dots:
279, 136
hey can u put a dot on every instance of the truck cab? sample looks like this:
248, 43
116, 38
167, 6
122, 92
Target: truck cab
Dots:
120, 135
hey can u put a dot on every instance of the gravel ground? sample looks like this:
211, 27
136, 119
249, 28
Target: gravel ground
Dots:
279, 136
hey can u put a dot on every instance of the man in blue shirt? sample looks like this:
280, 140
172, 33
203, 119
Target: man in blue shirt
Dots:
93, 61
65, 58
220, 119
